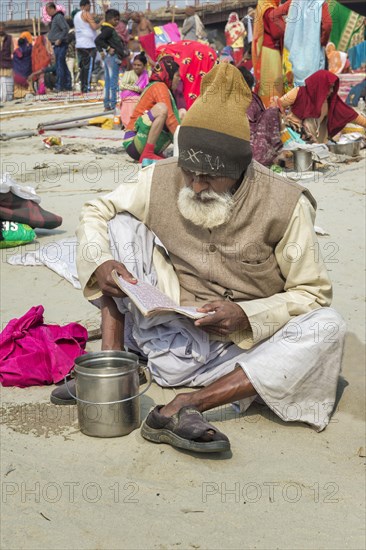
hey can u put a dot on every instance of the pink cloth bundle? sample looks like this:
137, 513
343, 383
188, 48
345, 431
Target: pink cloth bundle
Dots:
35, 354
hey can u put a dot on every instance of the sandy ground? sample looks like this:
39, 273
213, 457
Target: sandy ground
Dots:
284, 486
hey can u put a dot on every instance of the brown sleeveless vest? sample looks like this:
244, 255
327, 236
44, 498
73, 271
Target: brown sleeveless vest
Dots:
235, 261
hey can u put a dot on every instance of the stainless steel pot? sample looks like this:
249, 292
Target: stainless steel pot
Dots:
351, 149
107, 392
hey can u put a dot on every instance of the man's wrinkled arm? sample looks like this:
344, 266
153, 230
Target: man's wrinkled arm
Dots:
307, 284
92, 232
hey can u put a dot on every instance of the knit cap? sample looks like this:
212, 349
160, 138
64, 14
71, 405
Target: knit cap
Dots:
214, 137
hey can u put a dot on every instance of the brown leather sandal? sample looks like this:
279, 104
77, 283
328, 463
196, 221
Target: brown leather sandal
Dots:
186, 430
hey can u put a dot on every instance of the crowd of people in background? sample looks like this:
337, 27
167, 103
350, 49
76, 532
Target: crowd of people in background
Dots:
290, 56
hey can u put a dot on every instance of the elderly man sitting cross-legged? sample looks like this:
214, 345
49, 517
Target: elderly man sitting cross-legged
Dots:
216, 230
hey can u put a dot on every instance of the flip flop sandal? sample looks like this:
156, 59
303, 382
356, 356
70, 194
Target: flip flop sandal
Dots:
184, 430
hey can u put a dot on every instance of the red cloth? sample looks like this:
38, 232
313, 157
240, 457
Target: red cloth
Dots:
194, 60
148, 44
326, 25
35, 354
16, 209
274, 26
238, 54
311, 97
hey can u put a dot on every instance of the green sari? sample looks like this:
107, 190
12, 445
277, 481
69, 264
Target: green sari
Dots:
142, 129
348, 26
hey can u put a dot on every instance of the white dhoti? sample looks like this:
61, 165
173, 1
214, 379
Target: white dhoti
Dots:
295, 371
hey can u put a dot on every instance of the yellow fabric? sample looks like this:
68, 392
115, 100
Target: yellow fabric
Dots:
288, 75
258, 29
239, 43
6, 72
271, 83
27, 35
307, 285
222, 104
106, 123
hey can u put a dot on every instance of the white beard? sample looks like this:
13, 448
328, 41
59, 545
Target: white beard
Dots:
206, 209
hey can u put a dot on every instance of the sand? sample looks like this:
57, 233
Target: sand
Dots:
283, 486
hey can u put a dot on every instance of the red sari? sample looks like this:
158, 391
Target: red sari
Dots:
311, 97
194, 60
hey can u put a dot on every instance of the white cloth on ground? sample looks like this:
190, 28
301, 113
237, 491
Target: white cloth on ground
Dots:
23, 191
58, 256
295, 371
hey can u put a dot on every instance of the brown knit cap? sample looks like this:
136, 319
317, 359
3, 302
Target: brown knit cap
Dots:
214, 137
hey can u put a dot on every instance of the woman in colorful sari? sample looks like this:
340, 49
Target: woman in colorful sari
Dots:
156, 117
315, 110
267, 47
265, 126
195, 60
41, 59
235, 33
22, 65
132, 84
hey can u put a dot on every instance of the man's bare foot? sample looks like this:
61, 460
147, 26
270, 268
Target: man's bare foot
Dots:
230, 388
181, 400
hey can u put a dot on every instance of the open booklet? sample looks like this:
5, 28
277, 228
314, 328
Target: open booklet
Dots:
151, 301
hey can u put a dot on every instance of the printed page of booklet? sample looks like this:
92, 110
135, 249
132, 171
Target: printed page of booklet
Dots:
151, 301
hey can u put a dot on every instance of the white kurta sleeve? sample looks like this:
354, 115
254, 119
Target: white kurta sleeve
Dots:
92, 233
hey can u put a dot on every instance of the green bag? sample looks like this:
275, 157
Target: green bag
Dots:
15, 234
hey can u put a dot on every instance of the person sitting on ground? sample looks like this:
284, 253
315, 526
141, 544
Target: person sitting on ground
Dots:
265, 126
315, 110
22, 65
44, 80
85, 34
229, 226
42, 55
113, 51
132, 84
156, 117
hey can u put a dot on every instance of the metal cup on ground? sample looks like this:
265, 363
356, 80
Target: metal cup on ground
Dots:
303, 160
107, 393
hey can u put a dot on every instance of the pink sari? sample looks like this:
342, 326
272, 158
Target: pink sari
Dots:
129, 98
